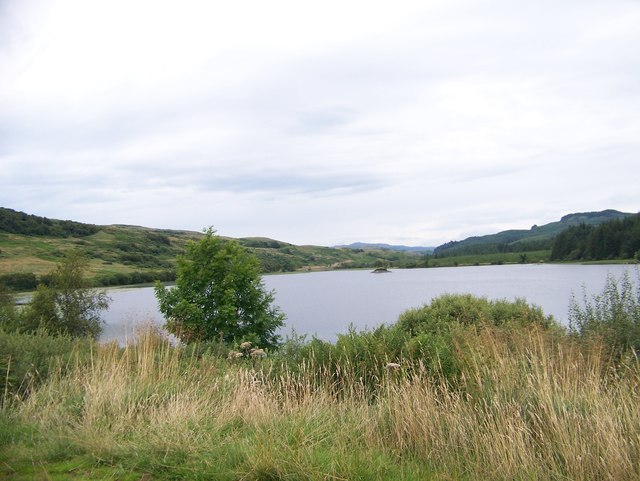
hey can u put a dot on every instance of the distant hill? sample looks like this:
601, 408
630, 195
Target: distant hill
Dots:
31, 246
399, 248
535, 238
614, 239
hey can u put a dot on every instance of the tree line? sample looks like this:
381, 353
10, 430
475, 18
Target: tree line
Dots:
15, 222
458, 248
616, 239
28, 281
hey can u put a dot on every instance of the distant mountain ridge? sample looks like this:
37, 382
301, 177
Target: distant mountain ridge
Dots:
381, 246
537, 237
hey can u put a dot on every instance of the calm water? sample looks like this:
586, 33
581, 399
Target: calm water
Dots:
325, 303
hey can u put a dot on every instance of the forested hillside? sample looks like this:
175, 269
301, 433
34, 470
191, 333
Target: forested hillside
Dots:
616, 239
534, 239
15, 222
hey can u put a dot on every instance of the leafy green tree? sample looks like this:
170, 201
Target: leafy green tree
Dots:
67, 305
219, 294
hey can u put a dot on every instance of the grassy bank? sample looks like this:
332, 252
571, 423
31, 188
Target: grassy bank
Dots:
525, 405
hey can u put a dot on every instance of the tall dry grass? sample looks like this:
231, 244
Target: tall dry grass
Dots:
526, 406
537, 410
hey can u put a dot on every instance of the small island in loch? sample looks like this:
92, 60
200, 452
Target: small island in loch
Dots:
381, 270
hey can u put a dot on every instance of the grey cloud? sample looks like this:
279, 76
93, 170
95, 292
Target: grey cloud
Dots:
293, 183
322, 121
485, 173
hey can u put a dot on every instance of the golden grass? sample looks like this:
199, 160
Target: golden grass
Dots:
535, 407
545, 412
26, 265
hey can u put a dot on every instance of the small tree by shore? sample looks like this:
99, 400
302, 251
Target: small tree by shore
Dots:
68, 305
219, 294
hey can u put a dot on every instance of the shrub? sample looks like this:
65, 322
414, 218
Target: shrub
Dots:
468, 310
613, 315
436, 329
429, 340
19, 281
27, 359
219, 294
8, 312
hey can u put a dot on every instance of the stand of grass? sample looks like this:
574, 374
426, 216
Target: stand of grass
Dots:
527, 405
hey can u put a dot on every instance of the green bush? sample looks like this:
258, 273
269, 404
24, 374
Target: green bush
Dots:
356, 361
425, 339
613, 315
468, 310
219, 294
27, 359
8, 313
436, 329
434, 352
19, 281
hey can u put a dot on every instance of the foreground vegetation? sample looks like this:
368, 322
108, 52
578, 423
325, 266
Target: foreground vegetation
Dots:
463, 388
531, 408
219, 295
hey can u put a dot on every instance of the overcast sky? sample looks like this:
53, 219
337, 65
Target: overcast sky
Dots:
320, 122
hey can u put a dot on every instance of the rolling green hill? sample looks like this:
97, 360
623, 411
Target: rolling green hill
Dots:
31, 246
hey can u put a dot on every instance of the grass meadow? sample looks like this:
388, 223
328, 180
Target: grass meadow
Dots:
524, 404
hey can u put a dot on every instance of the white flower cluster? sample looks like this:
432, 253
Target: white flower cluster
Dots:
246, 350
